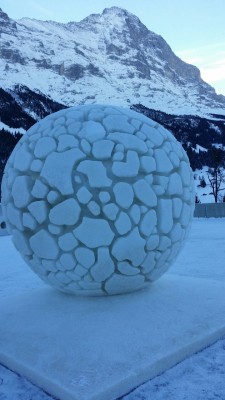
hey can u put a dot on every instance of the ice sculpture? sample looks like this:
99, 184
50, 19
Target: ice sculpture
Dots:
98, 199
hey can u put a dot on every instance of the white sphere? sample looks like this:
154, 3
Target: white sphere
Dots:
98, 199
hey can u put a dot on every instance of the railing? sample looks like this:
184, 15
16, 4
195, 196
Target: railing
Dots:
210, 210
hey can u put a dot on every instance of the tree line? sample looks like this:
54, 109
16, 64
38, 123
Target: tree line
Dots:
190, 131
7, 144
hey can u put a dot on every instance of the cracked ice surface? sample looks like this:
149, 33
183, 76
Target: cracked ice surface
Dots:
98, 199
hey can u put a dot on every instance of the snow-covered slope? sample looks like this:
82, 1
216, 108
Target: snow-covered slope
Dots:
21, 107
106, 58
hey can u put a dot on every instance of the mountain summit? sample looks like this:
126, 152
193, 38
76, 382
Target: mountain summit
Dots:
105, 58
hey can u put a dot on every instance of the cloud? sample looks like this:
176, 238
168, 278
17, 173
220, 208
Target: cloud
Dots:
201, 49
219, 62
193, 60
214, 73
210, 59
45, 11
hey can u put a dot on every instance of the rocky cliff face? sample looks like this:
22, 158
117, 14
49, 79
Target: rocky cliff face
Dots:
106, 58
7, 25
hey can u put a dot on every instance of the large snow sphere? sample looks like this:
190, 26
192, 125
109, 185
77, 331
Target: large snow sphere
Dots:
98, 199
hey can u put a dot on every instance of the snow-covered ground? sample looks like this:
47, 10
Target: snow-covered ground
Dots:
201, 377
11, 130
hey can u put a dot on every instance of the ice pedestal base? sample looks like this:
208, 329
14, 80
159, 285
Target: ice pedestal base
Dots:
101, 348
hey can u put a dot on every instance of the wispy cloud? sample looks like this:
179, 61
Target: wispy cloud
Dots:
214, 73
201, 49
192, 60
210, 59
47, 12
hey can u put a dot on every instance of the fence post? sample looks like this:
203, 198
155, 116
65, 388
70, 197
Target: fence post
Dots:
3, 230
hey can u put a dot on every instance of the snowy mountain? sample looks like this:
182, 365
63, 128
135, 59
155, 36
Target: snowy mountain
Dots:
110, 57
106, 58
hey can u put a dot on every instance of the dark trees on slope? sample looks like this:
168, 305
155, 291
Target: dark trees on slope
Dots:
216, 175
7, 144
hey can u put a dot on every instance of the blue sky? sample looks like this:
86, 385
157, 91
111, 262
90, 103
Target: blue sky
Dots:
195, 29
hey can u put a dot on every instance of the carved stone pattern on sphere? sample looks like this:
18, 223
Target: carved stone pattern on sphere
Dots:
98, 199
